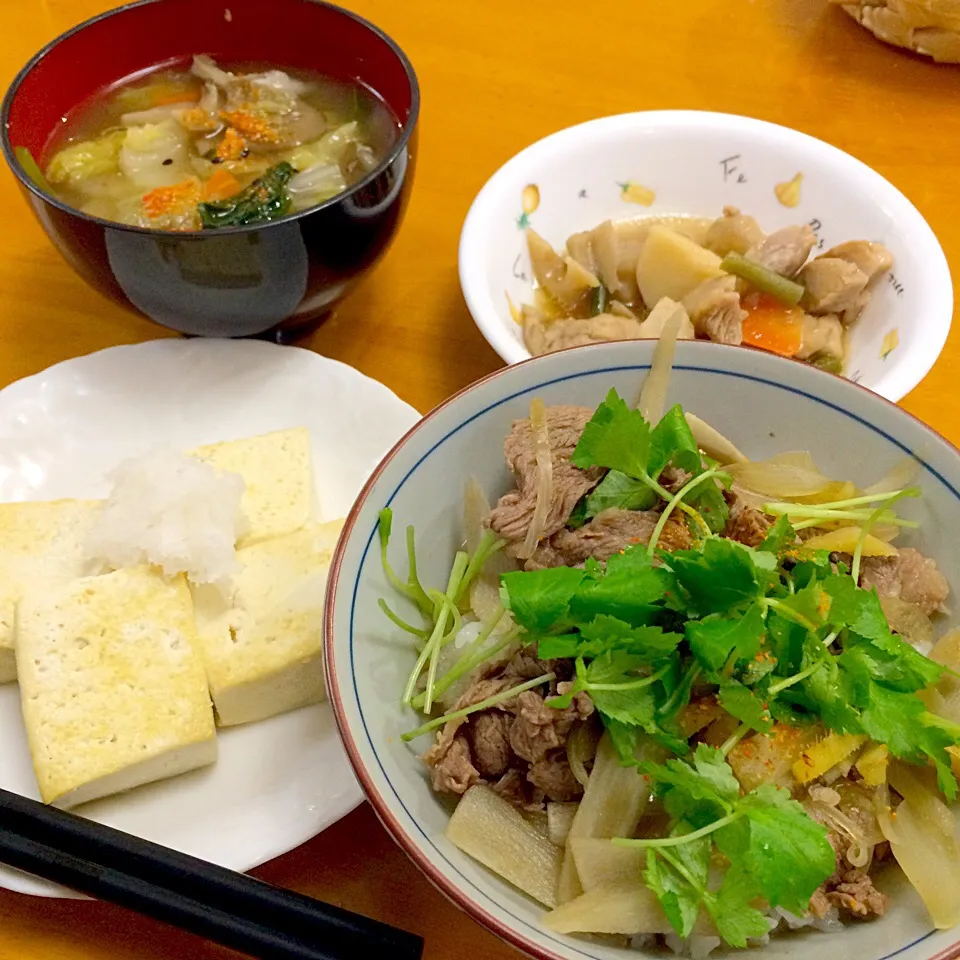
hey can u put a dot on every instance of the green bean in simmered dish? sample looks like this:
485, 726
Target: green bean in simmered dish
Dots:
733, 282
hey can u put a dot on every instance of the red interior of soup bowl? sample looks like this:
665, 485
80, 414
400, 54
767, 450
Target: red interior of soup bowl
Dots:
288, 33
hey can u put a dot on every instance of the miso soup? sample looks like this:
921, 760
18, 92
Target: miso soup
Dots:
207, 147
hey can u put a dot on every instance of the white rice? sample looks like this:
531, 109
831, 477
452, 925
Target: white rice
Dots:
172, 511
700, 947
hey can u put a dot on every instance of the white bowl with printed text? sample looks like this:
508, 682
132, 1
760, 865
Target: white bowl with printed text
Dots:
695, 163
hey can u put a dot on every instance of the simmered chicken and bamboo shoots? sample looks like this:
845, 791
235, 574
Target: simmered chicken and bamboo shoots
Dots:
735, 283
691, 686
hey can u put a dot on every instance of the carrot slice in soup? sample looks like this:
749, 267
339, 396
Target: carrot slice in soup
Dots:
221, 185
163, 200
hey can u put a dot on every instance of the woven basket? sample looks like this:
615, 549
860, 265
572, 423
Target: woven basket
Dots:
929, 27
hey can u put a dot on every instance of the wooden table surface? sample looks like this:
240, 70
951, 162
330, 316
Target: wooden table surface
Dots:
495, 76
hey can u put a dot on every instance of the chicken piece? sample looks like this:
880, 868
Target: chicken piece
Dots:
714, 307
841, 280
821, 335
545, 336
874, 259
734, 232
784, 251
833, 286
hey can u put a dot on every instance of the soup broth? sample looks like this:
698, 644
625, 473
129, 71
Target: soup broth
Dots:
208, 146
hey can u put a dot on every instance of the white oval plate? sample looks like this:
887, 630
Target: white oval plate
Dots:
278, 783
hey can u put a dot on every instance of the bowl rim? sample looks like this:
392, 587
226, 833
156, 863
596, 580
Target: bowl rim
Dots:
894, 384
382, 807
407, 129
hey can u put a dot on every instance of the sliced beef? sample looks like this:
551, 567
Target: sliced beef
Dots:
552, 775
784, 251
608, 533
450, 762
490, 740
715, 311
850, 890
518, 746
910, 576
483, 689
747, 525
513, 513
517, 788
537, 729
546, 336
525, 666
857, 896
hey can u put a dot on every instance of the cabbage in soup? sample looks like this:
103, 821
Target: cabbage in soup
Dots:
208, 147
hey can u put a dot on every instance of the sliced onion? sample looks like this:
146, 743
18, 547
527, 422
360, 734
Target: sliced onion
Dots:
544, 458
944, 698
845, 539
887, 532
860, 851
581, 749
947, 650
476, 509
713, 443
653, 394
925, 841
903, 474
787, 475
835, 490
485, 588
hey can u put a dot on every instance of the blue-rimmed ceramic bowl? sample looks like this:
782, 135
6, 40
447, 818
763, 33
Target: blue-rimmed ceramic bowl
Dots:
761, 402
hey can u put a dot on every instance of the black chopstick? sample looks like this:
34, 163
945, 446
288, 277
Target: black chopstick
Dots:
228, 908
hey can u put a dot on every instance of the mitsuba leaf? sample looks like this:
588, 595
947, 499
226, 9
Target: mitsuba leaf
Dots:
539, 599
715, 639
616, 437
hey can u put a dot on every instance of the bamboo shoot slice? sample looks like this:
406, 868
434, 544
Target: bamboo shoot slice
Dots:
627, 909
559, 821
613, 801
491, 830
602, 864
